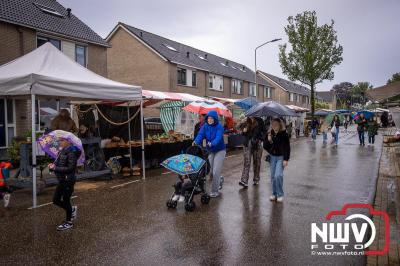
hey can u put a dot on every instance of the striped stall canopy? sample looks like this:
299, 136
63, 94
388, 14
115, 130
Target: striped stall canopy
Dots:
168, 114
171, 96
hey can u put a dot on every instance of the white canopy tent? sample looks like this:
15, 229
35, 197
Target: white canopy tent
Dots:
47, 73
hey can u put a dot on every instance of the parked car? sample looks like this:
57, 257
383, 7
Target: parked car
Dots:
153, 125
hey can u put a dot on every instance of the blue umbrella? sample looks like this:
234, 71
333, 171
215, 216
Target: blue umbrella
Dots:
247, 103
322, 113
367, 114
343, 111
184, 164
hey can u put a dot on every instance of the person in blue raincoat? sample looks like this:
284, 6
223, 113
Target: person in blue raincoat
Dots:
213, 132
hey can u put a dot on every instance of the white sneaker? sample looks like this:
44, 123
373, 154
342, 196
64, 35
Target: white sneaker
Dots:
6, 199
272, 198
279, 199
175, 197
181, 199
74, 213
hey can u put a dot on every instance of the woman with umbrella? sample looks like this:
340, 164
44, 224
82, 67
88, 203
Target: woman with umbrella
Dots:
252, 130
213, 132
277, 144
361, 126
67, 150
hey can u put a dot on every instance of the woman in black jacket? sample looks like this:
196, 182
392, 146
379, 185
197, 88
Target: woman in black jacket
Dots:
64, 168
277, 144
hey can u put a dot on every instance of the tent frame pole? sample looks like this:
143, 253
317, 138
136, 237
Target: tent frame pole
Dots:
142, 137
129, 139
33, 106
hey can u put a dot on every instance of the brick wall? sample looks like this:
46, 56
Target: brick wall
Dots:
97, 59
129, 61
16, 41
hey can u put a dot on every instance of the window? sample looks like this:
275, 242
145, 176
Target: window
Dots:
267, 92
181, 76
80, 55
43, 40
252, 90
194, 80
236, 86
170, 47
299, 98
291, 97
215, 82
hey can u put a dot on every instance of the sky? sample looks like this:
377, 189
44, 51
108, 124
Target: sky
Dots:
368, 30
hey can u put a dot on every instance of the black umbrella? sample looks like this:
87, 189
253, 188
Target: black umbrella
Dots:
270, 108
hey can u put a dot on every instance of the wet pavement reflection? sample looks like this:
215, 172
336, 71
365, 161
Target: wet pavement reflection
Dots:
131, 225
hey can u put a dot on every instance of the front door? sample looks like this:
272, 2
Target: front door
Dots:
3, 127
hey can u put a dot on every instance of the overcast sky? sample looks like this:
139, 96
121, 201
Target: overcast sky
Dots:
368, 30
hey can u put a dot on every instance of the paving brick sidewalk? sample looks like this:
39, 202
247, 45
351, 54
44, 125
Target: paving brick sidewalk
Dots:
387, 199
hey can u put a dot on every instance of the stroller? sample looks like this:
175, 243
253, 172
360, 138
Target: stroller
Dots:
195, 182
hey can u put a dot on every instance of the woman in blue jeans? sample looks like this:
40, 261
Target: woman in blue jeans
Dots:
277, 144
335, 125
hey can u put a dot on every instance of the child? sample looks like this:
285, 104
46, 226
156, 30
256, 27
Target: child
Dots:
5, 192
181, 186
64, 167
324, 130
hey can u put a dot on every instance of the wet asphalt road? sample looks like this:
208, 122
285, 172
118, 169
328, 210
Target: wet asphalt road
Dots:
130, 225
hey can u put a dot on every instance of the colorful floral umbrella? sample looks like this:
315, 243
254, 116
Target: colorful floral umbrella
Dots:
184, 164
50, 143
203, 107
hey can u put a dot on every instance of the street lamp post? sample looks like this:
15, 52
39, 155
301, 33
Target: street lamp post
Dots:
255, 59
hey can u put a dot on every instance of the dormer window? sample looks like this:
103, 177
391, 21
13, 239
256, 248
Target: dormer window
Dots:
48, 10
223, 64
170, 47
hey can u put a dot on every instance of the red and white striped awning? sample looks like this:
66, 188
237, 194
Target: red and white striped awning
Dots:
297, 108
203, 107
170, 96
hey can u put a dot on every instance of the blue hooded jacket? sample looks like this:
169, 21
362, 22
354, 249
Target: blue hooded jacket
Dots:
212, 133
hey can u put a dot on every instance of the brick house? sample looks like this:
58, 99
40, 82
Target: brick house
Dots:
27, 24
290, 93
157, 63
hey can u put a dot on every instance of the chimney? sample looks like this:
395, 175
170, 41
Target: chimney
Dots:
141, 34
187, 54
205, 56
69, 12
227, 63
244, 68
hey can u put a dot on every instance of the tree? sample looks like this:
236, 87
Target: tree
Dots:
314, 51
358, 92
395, 77
343, 93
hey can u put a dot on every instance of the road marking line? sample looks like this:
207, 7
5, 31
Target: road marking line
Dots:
166, 173
124, 184
46, 204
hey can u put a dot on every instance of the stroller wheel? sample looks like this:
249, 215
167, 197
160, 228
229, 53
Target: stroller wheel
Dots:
171, 204
205, 198
190, 206
174, 204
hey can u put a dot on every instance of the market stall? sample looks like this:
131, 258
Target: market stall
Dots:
46, 73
